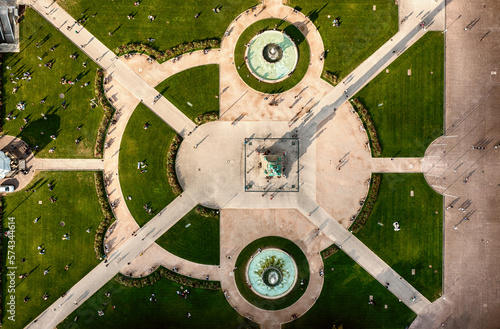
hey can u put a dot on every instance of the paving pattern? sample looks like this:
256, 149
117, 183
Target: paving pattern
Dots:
216, 150
471, 283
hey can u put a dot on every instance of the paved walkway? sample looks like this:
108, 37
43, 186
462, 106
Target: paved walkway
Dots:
289, 223
68, 164
116, 68
362, 255
235, 98
154, 73
105, 271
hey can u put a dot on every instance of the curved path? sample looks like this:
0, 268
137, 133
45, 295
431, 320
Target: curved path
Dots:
154, 73
237, 99
233, 104
116, 68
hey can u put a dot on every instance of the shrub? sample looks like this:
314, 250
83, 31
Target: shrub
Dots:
206, 117
330, 77
369, 126
106, 211
171, 176
207, 212
363, 215
162, 56
329, 251
109, 111
366, 211
161, 273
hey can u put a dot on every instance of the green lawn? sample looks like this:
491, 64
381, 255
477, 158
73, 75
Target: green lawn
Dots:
77, 206
344, 300
199, 242
45, 85
149, 146
174, 21
290, 30
418, 245
208, 308
411, 116
197, 86
362, 30
302, 273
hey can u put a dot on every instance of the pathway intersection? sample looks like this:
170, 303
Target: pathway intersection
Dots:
219, 156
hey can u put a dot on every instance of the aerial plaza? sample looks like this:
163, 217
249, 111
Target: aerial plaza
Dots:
249, 165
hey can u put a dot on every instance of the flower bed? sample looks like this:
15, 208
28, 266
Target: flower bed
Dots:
369, 126
162, 56
363, 215
366, 211
169, 275
329, 251
330, 77
207, 212
206, 117
109, 111
171, 176
106, 211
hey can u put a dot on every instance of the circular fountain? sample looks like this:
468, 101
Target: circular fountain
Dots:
271, 273
271, 56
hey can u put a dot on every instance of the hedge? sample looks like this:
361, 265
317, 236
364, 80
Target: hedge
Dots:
109, 111
369, 126
106, 211
162, 56
161, 273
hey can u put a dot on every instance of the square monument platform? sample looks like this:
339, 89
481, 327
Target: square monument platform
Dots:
271, 164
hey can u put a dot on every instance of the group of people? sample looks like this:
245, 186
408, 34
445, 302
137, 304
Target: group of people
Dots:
148, 209
183, 293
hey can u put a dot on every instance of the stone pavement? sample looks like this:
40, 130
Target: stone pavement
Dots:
216, 151
154, 73
237, 99
471, 281
68, 164
289, 223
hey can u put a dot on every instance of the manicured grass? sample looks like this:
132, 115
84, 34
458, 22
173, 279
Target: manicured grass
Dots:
208, 308
198, 86
292, 32
411, 116
302, 273
149, 146
362, 30
174, 21
418, 245
45, 84
199, 242
78, 207
344, 300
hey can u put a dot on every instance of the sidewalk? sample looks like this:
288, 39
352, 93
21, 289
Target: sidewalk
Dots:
68, 164
116, 68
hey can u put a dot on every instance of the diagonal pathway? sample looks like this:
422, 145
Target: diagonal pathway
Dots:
105, 271
116, 68
409, 33
362, 255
